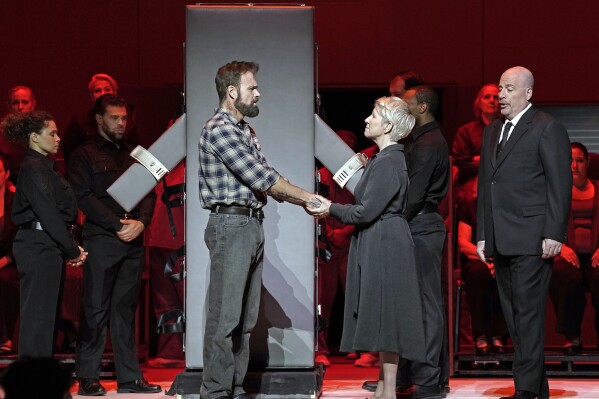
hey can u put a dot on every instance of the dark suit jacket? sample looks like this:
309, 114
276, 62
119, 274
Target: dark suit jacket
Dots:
524, 192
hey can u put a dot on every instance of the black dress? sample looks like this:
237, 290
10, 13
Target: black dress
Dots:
383, 309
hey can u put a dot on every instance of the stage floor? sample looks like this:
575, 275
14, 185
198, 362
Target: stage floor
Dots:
344, 381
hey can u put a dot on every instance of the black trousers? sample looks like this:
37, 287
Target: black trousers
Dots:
112, 276
523, 283
41, 274
428, 234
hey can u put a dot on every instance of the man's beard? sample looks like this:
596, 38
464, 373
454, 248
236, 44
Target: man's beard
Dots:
249, 110
115, 137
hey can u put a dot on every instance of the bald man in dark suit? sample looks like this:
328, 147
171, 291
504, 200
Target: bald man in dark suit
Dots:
524, 194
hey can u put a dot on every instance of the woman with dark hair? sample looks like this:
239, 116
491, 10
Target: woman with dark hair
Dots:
9, 276
383, 309
577, 264
44, 209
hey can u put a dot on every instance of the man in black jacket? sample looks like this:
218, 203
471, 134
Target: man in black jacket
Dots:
114, 238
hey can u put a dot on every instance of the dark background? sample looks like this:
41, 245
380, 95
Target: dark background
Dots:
55, 47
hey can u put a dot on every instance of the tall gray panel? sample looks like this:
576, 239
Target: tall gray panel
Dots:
281, 40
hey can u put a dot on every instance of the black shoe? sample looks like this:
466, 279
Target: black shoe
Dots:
520, 394
90, 387
421, 392
572, 350
573, 345
371, 385
138, 386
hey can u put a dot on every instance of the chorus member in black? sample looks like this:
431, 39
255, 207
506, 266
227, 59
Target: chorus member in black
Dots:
114, 238
524, 196
427, 158
383, 307
44, 208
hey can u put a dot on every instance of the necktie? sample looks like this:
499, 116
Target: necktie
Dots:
506, 131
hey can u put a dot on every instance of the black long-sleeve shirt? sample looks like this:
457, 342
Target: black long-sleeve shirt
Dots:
43, 195
93, 168
427, 158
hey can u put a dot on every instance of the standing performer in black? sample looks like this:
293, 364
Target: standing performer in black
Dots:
44, 208
114, 238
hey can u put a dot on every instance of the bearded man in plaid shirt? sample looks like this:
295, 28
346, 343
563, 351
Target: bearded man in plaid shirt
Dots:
234, 179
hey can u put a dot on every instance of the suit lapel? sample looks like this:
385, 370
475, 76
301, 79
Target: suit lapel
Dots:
519, 131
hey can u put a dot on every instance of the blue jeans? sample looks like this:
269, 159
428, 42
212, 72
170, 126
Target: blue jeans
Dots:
236, 245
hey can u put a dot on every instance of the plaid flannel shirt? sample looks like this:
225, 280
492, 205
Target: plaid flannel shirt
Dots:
232, 171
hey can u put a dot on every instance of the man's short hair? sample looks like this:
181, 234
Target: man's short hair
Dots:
230, 75
411, 79
428, 96
106, 100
